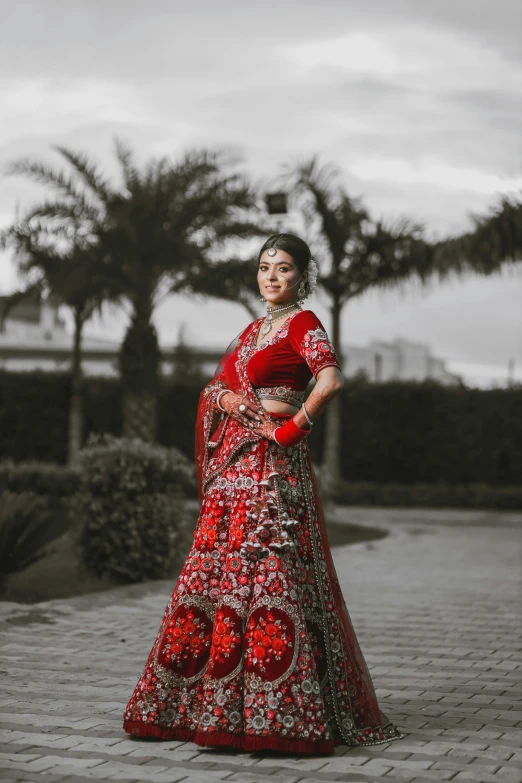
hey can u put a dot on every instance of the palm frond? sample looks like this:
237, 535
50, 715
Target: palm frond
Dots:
45, 175
12, 300
26, 528
495, 240
88, 173
318, 184
131, 176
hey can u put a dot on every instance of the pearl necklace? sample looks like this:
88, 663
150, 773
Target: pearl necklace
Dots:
270, 318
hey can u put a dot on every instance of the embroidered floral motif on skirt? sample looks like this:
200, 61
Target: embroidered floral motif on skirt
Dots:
256, 649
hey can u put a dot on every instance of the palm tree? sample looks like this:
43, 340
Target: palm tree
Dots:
155, 235
68, 277
56, 248
163, 235
358, 253
495, 240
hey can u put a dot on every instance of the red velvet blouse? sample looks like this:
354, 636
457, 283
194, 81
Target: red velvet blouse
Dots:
281, 367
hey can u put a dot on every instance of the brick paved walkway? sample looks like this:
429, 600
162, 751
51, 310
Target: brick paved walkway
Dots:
436, 606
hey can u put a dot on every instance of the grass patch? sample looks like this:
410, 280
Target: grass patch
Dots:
56, 575
344, 535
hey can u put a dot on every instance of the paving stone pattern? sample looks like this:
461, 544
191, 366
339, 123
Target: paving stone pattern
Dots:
436, 607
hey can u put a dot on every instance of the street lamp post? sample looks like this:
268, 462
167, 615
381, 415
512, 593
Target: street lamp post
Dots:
276, 204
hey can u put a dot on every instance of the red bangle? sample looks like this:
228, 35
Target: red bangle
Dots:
289, 434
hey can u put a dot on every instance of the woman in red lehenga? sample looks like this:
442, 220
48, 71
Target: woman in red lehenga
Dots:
256, 649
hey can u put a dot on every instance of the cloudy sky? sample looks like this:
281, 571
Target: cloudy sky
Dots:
417, 103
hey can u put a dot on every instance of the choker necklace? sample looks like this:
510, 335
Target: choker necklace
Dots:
281, 310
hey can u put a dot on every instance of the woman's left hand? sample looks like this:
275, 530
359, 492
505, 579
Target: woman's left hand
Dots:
265, 427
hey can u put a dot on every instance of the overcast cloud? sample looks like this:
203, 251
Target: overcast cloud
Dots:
418, 103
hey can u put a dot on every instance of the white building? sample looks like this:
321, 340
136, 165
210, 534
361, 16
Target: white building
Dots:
398, 360
35, 337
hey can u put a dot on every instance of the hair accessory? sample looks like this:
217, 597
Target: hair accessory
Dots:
271, 251
313, 272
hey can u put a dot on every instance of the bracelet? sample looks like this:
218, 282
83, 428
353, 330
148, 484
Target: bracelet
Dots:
218, 398
289, 434
307, 417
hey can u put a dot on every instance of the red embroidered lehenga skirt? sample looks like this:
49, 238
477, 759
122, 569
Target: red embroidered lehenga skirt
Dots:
256, 649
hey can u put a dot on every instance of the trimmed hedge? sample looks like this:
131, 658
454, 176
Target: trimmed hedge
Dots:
412, 433
42, 478
397, 432
479, 496
34, 411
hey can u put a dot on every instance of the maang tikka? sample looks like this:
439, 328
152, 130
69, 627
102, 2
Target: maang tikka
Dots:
272, 251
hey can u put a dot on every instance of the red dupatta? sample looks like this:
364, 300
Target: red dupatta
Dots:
215, 446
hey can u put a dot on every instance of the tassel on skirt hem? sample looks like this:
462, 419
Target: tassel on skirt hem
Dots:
238, 741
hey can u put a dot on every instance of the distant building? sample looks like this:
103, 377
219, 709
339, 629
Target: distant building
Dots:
398, 360
35, 337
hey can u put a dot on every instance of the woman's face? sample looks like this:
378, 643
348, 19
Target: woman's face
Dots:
278, 277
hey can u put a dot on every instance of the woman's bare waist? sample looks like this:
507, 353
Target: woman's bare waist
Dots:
277, 406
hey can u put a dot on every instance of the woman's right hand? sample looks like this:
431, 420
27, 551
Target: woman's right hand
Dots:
252, 414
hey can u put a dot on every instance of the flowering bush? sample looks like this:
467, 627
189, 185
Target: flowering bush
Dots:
129, 511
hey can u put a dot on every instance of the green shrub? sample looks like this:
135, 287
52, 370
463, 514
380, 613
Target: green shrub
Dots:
129, 510
27, 526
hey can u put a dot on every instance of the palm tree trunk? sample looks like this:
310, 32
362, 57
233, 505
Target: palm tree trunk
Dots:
140, 360
139, 416
76, 401
333, 430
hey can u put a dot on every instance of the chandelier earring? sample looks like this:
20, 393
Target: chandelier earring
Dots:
301, 292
